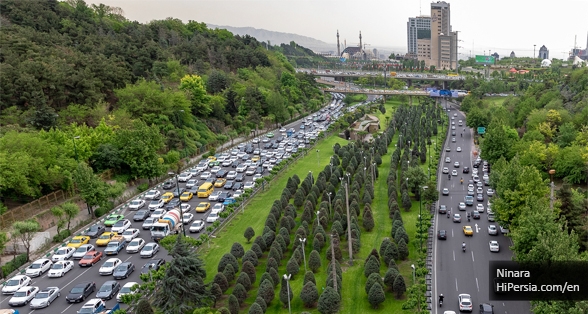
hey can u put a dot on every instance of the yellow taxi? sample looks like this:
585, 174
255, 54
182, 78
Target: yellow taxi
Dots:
220, 182
202, 207
468, 231
211, 158
78, 241
255, 158
186, 196
167, 196
105, 238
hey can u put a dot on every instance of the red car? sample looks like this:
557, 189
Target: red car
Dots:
90, 258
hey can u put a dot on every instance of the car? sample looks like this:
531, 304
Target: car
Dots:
453, 139
173, 204
456, 164
456, 218
239, 178
454, 173
38, 267
471, 192
217, 208
152, 195
121, 226
60, 268
465, 302
13, 284
158, 213
475, 214
466, 170
95, 231
105, 238
223, 196
155, 204
214, 170
480, 208
184, 177
167, 197
485, 177
237, 186
185, 207
44, 297
123, 270
149, 250
256, 176
153, 264
191, 183
211, 158
229, 201
108, 290
231, 175
479, 190
270, 135
221, 174
141, 215
504, 230
148, 223
135, 245
445, 170
205, 175
442, 235
447, 159
220, 182
462, 206
229, 185
80, 292
93, 306
453, 127
486, 308
23, 296
91, 258
475, 171
197, 226
187, 217
126, 289
114, 218
476, 178
468, 231
78, 241
480, 197
62, 254
249, 185
108, 267
442, 209
136, 204
202, 207
212, 217
214, 164
168, 185
494, 246
82, 250
447, 149
241, 168
492, 230
490, 192
445, 191
458, 149
194, 173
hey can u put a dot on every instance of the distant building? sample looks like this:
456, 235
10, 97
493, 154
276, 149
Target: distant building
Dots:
512, 54
441, 50
543, 52
417, 28
368, 123
496, 56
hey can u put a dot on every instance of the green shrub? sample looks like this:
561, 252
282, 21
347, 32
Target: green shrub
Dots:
13, 265
63, 234
142, 187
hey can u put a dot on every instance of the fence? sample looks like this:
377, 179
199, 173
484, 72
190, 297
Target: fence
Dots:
33, 208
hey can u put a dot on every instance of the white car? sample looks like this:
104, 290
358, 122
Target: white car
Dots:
121, 226
63, 254
462, 206
108, 267
158, 213
13, 284
214, 196
38, 267
60, 268
135, 245
212, 217
23, 296
231, 175
155, 204
191, 183
480, 208
184, 177
130, 234
147, 223
490, 192
465, 302
447, 159
136, 204
456, 164
458, 149
217, 208
445, 191
445, 170
187, 218
492, 230
202, 166
82, 250
197, 226
241, 168
256, 176
44, 298
249, 185
237, 194
215, 169
485, 177
153, 194
185, 207
494, 246
454, 172
205, 175
194, 172
475, 171
149, 250
126, 289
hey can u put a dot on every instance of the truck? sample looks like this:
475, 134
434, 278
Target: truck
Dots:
116, 244
170, 223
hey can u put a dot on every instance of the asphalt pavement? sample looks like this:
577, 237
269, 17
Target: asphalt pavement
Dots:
455, 271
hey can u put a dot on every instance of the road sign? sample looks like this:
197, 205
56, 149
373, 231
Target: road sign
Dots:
481, 130
485, 59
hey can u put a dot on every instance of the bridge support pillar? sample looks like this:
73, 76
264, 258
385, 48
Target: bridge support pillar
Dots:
444, 84
409, 83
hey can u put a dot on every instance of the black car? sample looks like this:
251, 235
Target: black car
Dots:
442, 209
141, 215
95, 231
275, 145
466, 169
223, 196
168, 185
259, 170
476, 214
80, 292
228, 185
245, 157
239, 178
480, 197
267, 145
234, 164
237, 186
442, 235
108, 290
221, 174
178, 192
249, 149
173, 204
123, 270
152, 264
486, 308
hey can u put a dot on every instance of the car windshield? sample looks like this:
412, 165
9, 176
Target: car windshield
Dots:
94, 228
119, 223
466, 302
86, 310
88, 256
36, 266
74, 240
112, 244
128, 232
20, 294
77, 290
125, 290
57, 266
81, 249
42, 295
154, 202
62, 252
12, 282
134, 242
105, 288
121, 268
135, 202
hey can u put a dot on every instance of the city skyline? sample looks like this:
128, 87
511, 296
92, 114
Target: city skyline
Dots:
501, 27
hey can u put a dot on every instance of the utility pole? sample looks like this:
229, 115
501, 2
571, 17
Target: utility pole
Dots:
334, 263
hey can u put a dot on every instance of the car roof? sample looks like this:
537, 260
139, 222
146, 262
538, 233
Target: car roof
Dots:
130, 284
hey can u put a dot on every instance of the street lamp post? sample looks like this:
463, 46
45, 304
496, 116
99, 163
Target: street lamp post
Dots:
413, 273
75, 147
178, 190
311, 178
373, 173
303, 241
330, 206
287, 278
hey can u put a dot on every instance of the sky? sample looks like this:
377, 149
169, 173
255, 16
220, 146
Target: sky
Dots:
484, 26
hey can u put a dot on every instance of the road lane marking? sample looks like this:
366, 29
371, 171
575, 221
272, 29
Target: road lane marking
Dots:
473, 259
452, 235
477, 230
454, 255
477, 284
69, 283
129, 258
456, 288
67, 308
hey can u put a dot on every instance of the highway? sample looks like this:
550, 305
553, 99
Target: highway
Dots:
399, 75
455, 271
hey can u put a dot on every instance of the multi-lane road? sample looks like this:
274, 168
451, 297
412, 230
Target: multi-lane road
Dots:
457, 272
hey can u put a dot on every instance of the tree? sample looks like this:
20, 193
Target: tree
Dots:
376, 295
406, 203
237, 250
368, 220
286, 293
183, 286
390, 276
229, 272
266, 291
249, 269
292, 267
251, 257
244, 280
309, 276
249, 233
314, 261
216, 292
240, 293
399, 286
309, 294
227, 259
194, 85
92, 189
233, 304
70, 210
402, 249
255, 309
221, 280
57, 211
25, 231
496, 143
372, 266
261, 302
143, 307
329, 301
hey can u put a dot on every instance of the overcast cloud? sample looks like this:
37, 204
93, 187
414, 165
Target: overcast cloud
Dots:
498, 25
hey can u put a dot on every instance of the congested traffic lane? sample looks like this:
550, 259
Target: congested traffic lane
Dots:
79, 274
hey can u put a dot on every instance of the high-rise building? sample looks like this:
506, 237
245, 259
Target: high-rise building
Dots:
417, 28
443, 40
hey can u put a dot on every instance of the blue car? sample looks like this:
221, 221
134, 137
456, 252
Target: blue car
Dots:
229, 201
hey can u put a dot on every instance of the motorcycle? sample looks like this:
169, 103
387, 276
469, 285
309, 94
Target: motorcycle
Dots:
440, 303
463, 248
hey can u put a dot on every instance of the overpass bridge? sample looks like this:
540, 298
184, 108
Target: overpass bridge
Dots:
353, 90
417, 76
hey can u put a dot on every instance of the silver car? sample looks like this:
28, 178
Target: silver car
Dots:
44, 298
492, 230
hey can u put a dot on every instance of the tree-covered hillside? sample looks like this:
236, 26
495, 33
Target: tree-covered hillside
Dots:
139, 96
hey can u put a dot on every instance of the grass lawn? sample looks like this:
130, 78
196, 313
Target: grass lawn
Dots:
495, 100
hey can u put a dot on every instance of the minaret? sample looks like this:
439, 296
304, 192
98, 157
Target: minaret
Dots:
360, 46
338, 46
